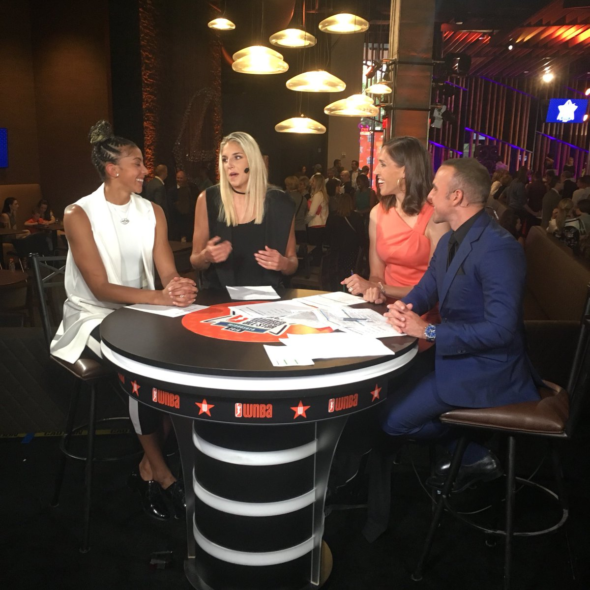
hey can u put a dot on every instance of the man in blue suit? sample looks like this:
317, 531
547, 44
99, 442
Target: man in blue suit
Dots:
477, 276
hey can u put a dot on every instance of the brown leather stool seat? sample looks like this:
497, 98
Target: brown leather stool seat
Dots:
86, 369
547, 416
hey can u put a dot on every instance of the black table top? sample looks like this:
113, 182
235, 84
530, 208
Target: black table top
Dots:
164, 342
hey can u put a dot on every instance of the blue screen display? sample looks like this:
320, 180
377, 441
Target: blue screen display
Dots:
567, 110
3, 148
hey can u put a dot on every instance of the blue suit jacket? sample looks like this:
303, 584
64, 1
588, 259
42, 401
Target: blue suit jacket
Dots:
481, 359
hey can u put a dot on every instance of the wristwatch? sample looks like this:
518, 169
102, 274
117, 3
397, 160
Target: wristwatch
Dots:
430, 332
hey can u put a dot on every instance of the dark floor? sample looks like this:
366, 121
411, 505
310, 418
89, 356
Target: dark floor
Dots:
39, 545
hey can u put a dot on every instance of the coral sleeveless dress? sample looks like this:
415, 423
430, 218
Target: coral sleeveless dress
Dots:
404, 250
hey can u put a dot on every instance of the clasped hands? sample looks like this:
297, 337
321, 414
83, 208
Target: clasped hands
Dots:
180, 291
358, 286
403, 319
217, 251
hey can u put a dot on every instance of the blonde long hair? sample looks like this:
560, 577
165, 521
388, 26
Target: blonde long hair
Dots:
257, 180
317, 184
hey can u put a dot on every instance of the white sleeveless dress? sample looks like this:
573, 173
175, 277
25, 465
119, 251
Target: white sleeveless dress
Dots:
126, 250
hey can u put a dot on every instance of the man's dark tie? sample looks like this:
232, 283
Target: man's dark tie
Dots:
453, 245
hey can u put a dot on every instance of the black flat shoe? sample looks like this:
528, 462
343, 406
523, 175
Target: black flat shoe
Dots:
175, 494
486, 469
152, 500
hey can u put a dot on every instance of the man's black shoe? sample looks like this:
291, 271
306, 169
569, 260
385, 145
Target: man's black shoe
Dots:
486, 469
347, 497
175, 493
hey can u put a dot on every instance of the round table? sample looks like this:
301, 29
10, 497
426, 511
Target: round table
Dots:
256, 441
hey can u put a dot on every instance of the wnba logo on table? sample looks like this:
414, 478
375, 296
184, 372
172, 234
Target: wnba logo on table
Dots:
253, 410
164, 398
343, 403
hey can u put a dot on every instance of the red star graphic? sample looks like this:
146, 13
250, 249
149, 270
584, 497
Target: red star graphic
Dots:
300, 410
204, 407
136, 387
375, 392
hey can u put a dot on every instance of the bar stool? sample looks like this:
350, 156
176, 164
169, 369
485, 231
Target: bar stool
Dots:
552, 418
49, 272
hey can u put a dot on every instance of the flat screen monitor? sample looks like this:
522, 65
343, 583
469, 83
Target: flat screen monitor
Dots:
567, 110
3, 148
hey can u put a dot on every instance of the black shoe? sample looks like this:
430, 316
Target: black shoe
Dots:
350, 496
486, 469
175, 494
152, 500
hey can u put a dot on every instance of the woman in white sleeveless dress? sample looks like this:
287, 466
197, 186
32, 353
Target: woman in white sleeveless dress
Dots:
115, 238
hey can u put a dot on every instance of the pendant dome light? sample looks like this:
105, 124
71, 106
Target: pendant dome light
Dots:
221, 23
295, 35
381, 87
344, 24
293, 38
357, 105
300, 125
316, 81
259, 59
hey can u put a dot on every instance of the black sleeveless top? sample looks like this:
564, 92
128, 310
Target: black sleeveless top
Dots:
241, 268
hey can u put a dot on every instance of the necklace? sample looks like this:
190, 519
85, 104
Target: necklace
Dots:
239, 193
120, 211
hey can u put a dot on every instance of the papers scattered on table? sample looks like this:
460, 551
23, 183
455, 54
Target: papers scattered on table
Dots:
286, 356
331, 300
170, 311
364, 322
334, 345
252, 293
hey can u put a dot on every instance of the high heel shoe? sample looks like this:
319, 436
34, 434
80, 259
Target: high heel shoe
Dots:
175, 493
152, 499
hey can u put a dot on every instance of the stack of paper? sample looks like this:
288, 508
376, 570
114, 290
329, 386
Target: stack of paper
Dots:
170, 311
334, 345
252, 293
364, 322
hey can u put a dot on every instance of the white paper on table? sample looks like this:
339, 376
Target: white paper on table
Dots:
276, 309
364, 322
285, 356
252, 293
170, 311
331, 300
335, 345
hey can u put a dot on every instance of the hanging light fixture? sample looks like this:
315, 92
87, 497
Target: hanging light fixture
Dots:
259, 60
221, 24
316, 81
295, 35
300, 125
381, 87
344, 24
357, 105
293, 38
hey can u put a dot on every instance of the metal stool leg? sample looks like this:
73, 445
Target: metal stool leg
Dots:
85, 547
446, 492
69, 427
509, 510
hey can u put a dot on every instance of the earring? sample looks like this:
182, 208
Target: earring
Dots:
117, 175
398, 182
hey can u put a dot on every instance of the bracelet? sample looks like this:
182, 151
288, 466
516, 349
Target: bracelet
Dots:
382, 288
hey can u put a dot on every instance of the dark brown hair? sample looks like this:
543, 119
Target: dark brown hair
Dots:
106, 146
471, 177
409, 152
344, 205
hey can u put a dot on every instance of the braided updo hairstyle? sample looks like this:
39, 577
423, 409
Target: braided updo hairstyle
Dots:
106, 146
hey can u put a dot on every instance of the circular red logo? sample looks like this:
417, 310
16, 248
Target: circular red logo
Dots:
218, 322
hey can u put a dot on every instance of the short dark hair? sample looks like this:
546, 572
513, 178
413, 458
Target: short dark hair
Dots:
363, 180
106, 146
409, 152
567, 174
584, 205
161, 169
471, 177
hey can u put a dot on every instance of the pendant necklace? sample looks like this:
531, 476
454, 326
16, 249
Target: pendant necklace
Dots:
117, 208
